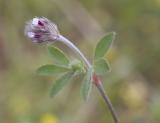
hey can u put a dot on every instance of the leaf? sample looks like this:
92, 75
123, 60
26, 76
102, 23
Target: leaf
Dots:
87, 84
101, 66
60, 83
58, 56
51, 69
104, 44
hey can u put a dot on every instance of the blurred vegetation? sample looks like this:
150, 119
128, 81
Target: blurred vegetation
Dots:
133, 85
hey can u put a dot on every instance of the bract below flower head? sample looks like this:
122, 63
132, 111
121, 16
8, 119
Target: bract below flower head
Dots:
40, 30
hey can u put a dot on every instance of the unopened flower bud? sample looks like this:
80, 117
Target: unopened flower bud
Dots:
41, 30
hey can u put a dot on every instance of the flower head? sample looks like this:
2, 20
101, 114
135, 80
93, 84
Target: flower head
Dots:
40, 30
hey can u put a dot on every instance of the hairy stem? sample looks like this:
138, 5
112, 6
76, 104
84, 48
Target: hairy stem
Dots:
100, 87
96, 79
75, 49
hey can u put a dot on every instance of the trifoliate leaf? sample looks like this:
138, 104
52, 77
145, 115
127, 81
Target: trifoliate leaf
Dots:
87, 84
52, 69
101, 66
103, 46
58, 56
61, 82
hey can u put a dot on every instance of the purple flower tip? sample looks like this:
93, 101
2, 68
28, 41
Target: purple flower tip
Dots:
41, 30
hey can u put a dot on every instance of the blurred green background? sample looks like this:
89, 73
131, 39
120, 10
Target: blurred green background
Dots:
132, 85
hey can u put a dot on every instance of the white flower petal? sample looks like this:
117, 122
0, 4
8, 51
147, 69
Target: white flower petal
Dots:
35, 21
30, 34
